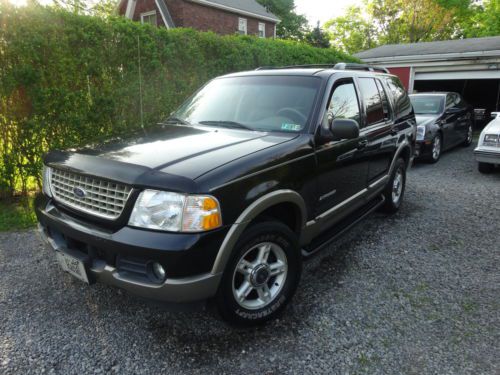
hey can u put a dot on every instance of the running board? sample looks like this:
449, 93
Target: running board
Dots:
343, 226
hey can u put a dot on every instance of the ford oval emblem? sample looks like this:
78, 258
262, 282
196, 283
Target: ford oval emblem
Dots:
79, 192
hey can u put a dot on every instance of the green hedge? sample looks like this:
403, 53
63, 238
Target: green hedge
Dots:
67, 80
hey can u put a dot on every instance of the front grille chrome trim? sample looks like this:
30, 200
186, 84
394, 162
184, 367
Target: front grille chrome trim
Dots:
104, 199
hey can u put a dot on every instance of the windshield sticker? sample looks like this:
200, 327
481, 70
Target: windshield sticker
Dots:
290, 127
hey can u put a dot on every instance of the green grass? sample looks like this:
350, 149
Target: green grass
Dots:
17, 214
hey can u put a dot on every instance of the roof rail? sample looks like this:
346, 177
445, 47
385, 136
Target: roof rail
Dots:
339, 66
352, 66
326, 66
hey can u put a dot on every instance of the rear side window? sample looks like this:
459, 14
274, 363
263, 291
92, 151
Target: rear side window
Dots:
385, 102
402, 104
373, 101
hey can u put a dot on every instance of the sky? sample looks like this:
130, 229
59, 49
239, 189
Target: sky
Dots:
323, 10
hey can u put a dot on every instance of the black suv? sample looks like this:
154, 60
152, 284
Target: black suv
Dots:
252, 174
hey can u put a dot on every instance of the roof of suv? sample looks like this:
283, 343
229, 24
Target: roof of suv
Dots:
318, 72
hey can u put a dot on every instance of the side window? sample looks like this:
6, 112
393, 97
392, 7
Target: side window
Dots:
385, 102
344, 102
373, 101
450, 100
402, 104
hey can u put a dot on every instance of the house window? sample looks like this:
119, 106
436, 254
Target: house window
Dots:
149, 17
242, 26
262, 30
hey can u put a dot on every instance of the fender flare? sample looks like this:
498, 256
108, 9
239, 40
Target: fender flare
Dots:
250, 213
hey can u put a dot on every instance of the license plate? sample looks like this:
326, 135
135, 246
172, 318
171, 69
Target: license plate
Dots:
73, 266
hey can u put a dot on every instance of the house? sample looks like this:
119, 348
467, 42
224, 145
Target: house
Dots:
245, 17
468, 66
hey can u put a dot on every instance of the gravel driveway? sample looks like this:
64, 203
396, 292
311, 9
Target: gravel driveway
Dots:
416, 293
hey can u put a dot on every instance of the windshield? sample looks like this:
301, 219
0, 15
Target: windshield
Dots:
264, 103
427, 105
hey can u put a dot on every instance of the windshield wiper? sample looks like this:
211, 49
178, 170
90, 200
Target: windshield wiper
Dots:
226, 124
176, 120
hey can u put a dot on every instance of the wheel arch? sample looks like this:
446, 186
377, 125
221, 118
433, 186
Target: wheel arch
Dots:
264, 206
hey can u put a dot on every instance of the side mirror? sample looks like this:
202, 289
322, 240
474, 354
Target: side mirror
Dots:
495, 114
344, 129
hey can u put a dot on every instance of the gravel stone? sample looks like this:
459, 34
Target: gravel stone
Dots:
413, 293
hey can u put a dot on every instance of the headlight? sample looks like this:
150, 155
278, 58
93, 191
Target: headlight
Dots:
175, 212
490, 140
46, 175
420, 132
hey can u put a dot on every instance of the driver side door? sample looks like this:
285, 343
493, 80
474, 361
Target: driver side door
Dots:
342, 164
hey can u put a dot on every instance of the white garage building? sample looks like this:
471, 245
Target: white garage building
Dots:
468, 66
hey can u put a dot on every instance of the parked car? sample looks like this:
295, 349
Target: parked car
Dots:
487, 152
253, 173
444, 120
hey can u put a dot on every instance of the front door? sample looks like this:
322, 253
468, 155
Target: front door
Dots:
342, 165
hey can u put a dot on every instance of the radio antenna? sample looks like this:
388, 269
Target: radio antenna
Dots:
140, 82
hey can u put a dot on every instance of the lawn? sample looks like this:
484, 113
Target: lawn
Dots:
17, 214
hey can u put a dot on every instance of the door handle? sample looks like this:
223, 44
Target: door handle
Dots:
362, 144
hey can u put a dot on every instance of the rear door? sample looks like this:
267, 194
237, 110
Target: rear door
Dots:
379, 133
450, 123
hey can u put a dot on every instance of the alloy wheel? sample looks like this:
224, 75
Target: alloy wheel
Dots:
260, 275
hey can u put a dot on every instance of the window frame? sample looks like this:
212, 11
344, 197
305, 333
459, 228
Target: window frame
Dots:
245, 22
149, 14
262, 28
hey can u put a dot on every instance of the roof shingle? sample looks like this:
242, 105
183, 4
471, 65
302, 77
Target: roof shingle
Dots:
431, 48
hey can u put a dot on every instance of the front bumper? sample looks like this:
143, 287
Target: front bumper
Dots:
423, 149
104, 253
485, 156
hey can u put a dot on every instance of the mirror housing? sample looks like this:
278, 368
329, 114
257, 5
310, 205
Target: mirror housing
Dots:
344, 129
495, 114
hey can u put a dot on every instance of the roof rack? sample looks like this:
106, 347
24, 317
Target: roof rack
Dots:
327, 66
339, 66
352, 66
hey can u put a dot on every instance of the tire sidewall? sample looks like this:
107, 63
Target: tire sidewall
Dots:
275, 232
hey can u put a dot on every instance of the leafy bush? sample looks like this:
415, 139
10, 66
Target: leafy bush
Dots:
67, 80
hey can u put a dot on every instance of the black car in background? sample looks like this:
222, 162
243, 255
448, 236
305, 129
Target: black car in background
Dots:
444, 120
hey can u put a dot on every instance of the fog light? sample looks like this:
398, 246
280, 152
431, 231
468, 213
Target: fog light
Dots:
159, 271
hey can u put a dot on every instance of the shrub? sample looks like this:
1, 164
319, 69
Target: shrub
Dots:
67, 80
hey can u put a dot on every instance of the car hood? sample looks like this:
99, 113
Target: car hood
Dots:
493, 127
426, 120
183, 152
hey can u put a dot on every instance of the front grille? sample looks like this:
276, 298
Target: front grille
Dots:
94, 196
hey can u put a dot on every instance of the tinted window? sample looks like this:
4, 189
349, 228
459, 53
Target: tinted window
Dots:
402, 105
271, 103
385, 102
372, 99
344, 102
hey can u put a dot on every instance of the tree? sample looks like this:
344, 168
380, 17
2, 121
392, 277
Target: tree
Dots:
351, 32
399, 21
292, 25
317, 38
482, 19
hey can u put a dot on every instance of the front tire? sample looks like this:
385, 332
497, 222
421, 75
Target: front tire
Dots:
437, 148
468, 140
262, 276
485, 167
395, 189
